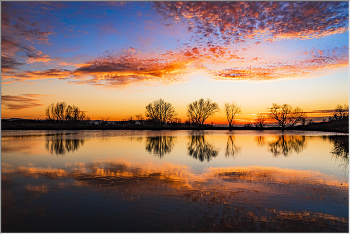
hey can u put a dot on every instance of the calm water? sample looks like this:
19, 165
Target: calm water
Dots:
174, 181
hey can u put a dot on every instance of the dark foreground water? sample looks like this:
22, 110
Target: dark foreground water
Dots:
174, 181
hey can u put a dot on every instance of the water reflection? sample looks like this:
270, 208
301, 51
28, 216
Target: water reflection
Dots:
200, 149
340, 150
340, 146
284, 145
260, 140
58, 145
231, 148
257, 196
160, 145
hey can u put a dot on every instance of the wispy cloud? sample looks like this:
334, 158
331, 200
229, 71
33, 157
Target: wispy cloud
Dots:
174, 66
303, 66
20, 102
239, 21
19, 34
214, 28
115, 71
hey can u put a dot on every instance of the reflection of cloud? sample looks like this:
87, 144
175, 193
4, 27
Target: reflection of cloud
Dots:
200, 149
37, 188
258, 188
19, 102
110, 173
160, 145
239, 21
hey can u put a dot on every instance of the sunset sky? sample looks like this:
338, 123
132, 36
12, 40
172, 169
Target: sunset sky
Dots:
113, 58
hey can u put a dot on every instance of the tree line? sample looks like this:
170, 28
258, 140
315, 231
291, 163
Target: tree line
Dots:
63, 112
161, 112
199, 111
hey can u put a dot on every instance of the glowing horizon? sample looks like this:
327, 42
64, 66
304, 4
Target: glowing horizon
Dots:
113, 58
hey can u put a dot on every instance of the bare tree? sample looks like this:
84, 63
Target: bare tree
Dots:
176, 120
104, 119
139, 117
60, 111
49, 112
199, 111
69, 113
341, 112
231, 109
260, 121
160, 111
285, 115
303, 120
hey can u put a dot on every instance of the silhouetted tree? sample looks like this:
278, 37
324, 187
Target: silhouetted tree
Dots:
176, 120
159, 145
69, 113
104, 119
60, 111
199, 111
200, 149
303, 120
260, 121
139, 117
231, 148
160, 111
341, 112
285, 115
231, 110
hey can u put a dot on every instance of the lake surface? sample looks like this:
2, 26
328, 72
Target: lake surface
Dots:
174, 181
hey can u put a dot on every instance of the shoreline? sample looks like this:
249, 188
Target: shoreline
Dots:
341, 126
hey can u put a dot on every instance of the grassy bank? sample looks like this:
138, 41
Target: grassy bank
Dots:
334, 126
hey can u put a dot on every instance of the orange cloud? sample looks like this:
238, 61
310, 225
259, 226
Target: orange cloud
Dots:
291, 69
19, 102
173, 66
238, 21
115, 71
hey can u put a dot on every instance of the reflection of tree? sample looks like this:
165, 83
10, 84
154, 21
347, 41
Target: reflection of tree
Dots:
285, 145
231, 148
159, 145
200, 149
260, 140
138, 139
341, 150
61, 146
